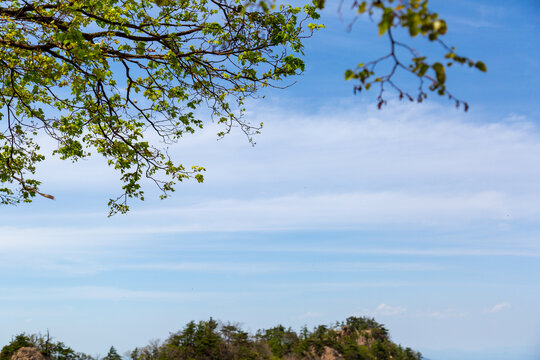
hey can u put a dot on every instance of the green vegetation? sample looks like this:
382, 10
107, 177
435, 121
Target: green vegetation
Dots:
357, 338
112, 355
53, 350
124, 78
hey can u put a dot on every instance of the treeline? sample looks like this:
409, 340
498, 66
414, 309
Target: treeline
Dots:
357, 338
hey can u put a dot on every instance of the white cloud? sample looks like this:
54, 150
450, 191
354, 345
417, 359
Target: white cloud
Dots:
75, 245
499, 307
425, 149
310, 315
106, 293
351, 168
318, 211
71, 266
447, 314
343, 209
387, 310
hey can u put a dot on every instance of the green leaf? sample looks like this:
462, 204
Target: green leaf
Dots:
386, 21
423, 69
439, 72
362, 7
481, 66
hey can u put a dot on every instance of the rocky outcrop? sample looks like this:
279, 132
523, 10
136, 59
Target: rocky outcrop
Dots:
363, 337
331, 354
28, 353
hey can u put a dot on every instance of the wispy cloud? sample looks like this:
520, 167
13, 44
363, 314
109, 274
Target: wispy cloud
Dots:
91, 264
322, 211
388, 310
447, 314
310, 315
408, 165
106, 293
72, 244
499, 307
355, 146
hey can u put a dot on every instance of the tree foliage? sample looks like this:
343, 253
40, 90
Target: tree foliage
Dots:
19, 341
111, 76
53, 350
125, 78
112, 354
416, 18
357, 338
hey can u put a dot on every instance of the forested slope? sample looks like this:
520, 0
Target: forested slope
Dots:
357, 338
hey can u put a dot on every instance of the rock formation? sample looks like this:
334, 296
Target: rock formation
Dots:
28, 353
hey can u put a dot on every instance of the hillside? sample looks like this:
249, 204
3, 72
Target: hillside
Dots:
357, 338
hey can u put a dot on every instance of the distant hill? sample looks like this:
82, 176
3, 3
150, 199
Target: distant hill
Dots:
356, 338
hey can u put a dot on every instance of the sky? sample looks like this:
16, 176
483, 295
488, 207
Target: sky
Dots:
422, 216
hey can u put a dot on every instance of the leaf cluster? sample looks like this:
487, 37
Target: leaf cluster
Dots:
125, 78
416, 19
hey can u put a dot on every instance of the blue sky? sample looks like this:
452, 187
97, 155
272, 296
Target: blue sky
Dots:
422, 216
